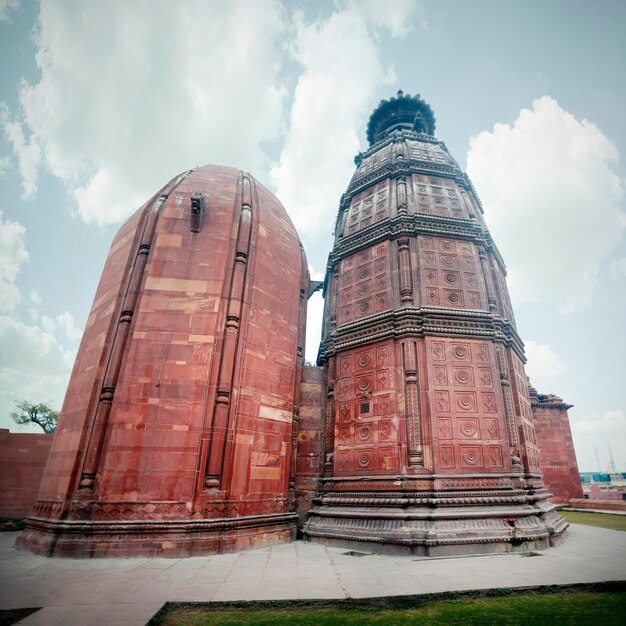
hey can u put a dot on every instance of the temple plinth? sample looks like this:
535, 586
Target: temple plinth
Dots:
430, 445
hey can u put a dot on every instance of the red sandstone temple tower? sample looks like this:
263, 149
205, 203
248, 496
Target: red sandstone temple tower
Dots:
430, 443
177, 429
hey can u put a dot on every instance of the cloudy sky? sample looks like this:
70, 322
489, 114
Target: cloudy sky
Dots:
102, 102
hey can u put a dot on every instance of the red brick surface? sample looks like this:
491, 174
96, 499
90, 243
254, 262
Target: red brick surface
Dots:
23, 458
310, 447
556, 450
603, 505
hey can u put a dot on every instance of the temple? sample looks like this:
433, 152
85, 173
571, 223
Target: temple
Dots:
191, 426
430, 441
175, 437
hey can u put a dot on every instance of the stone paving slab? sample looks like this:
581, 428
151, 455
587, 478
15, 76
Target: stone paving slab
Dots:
129, 591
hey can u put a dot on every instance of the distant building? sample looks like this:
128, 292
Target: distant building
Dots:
599, 486
556, 447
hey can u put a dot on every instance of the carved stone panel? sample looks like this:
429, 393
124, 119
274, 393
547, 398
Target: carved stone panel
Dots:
369, 206
379, 159
437, 196
450, 274
466, 405
364, 284
366, 425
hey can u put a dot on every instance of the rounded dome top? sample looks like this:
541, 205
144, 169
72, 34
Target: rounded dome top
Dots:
402, 112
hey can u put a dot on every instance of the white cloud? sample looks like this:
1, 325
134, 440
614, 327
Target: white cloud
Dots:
5, 165
28, 152
552, 202
12, 255
31, 348
34, 366
6, 8
598, 432
49, 326
123, 104
543, 364
617, 268
333, 97
66, 322
34, 296
394, 16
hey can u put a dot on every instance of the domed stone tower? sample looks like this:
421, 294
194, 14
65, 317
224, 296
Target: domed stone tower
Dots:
175, 437
430, 443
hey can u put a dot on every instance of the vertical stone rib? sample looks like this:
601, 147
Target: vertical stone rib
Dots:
329, 424
491, 298
509, 413
404, 260
111, 374
401, 202
413, 415
334, 297
221, 410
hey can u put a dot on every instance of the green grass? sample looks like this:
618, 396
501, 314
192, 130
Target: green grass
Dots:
590, 604
603, 520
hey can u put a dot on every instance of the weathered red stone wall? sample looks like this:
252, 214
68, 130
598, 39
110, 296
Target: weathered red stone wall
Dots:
556, 448
62, 468
601, 505
182, 399
23, 458
310, 446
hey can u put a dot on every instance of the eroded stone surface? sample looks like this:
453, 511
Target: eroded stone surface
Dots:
176, 432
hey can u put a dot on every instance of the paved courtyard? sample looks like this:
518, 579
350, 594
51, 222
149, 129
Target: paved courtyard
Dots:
129, 591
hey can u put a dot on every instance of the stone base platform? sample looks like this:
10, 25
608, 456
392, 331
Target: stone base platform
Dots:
148, 538
436, 524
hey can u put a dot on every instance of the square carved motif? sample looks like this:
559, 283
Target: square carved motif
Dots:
364, 433
383, 404
460, 351
344, 436
432, 296
382, 380
469, 428
446, 457
437, 350
384, 430
491, 428
444, 428
387, 459
364, 459
471, 456
364, 359
489, 402
485, 377
343, 388
440, 374
442, 401
343, 460
345, 411
453, 297
463, 376
465, 401
494, 456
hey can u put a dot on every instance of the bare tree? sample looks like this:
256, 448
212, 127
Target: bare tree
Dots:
41, 414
